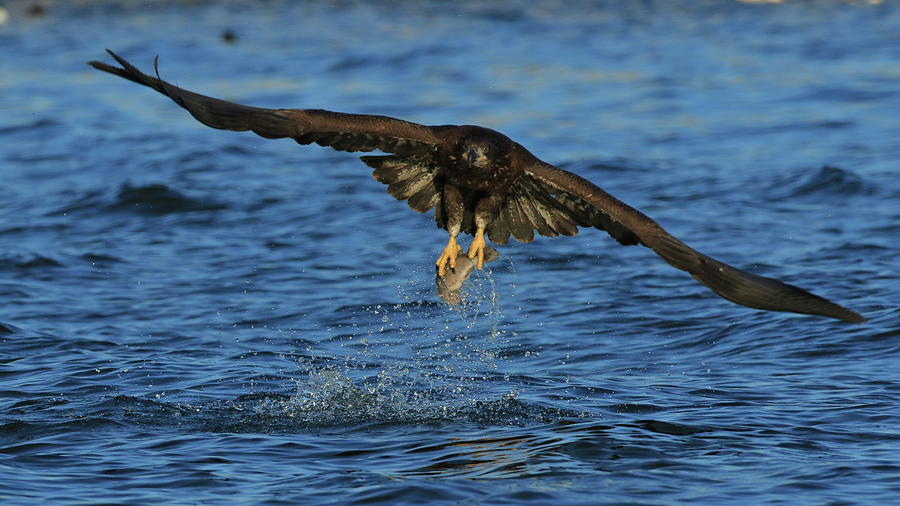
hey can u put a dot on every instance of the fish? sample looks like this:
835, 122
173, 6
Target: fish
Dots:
450, 284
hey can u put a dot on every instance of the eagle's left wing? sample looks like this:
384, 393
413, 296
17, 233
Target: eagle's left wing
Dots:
589, 205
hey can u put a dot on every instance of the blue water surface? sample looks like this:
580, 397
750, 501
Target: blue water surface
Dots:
198, 316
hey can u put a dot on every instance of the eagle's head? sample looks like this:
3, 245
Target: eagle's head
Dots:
478, 153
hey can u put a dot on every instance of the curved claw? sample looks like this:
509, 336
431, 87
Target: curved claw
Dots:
476, 249
448, 256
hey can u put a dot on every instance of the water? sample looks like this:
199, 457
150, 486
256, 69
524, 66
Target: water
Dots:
190, 315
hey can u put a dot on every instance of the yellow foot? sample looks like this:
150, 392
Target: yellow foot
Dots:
476, 249
451, 250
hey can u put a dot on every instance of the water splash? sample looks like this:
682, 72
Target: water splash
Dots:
408, 362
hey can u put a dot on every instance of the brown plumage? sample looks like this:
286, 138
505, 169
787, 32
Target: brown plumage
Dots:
480, 182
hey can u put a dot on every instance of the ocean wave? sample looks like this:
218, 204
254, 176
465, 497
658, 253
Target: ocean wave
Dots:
826, 181
160, 199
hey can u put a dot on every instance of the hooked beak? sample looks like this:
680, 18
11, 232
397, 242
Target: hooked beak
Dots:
471, 156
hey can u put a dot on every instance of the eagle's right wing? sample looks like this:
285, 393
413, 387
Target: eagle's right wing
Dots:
340, 131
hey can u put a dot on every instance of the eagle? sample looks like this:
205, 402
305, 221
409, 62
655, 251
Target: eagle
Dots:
481, 183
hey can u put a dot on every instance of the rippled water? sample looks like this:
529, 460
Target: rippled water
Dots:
190, 315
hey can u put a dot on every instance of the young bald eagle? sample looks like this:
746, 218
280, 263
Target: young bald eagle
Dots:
480, 182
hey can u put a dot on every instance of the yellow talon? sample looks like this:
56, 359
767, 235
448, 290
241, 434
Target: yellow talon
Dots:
477, 248
451, 250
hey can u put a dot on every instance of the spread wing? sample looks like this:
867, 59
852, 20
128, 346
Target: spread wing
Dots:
587, 205
531, 204
340, 131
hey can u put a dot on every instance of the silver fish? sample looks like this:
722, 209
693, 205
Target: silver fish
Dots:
449, 285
